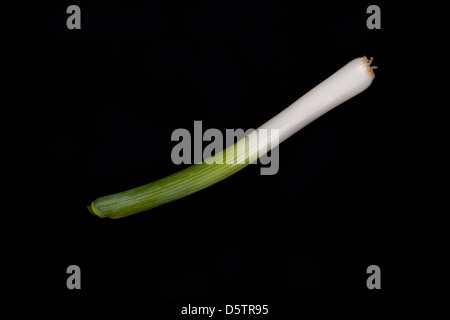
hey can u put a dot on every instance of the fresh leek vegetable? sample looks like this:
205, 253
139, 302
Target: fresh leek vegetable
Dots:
350, 80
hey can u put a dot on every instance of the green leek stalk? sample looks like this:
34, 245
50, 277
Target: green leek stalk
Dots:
175, 186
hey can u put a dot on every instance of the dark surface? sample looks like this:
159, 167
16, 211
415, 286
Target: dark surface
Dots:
92, 114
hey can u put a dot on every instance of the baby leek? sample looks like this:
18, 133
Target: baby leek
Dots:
347, 82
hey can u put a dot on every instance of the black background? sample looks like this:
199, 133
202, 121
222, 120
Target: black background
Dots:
92, 112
